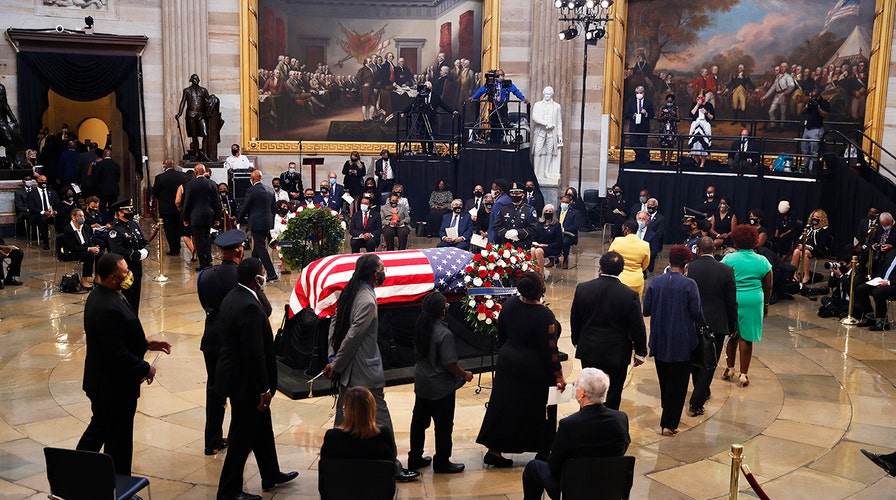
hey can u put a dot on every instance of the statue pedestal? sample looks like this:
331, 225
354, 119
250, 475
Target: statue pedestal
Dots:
551, 193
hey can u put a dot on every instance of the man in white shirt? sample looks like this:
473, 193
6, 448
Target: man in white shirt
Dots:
279, 193
385, 172
236, 160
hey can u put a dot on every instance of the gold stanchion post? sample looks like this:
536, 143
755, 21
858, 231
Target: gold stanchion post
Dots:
161, 278
849, 320
737, 457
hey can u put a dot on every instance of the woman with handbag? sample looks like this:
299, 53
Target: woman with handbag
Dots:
753, 278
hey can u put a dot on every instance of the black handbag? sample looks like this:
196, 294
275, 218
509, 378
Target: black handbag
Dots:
71, 283
705, 356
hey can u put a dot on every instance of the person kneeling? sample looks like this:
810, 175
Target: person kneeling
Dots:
593, 431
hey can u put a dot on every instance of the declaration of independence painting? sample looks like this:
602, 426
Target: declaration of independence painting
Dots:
343, 70
740, 52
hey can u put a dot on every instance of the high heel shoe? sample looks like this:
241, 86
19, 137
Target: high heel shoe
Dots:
669, 432
744, 380
496, 461
729, 372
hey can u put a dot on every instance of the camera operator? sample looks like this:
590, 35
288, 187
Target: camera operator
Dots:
814, 113
498, 91
837, 305
423, 111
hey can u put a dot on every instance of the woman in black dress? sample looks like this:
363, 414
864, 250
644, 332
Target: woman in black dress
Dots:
668, 118
548, 239
754, 218
354, 172
784, 230
517, 419
359, 437
722, 222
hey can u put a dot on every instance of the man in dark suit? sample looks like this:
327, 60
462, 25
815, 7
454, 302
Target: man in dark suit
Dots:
646, 234
42, 203
607, 324
165, 190
324, 198
462, 224
384, 171
15, 256
617, 210
127, 239
744, 152
657, 222
202, 210
641, 204
114, 367
570, 221
594, 431
247, 374
258, 210
718, 296
366, 228
884, 291
20, 199
476, 200
639, 112
86, 161
77, 246
107, 174
533, 197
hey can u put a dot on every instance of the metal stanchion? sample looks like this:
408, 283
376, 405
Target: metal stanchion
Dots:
737, 456
160, 227
849, 320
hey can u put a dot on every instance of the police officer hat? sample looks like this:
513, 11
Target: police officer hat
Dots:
517, 187
692, 215
230, 240
127, 204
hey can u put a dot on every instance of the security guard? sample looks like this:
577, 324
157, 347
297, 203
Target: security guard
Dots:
212, 285
126, 239
516, 222
291, 182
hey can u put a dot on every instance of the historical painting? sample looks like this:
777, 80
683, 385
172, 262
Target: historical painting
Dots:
345, 70
751, 59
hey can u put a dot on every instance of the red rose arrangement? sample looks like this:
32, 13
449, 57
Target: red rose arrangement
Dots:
495, 266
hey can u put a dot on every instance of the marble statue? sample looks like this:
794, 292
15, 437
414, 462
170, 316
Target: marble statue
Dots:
10, 135
547, 137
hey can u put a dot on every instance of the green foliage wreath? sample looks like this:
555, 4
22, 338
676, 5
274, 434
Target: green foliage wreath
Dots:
312, 234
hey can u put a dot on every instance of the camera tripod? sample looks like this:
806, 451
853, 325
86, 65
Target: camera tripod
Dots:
420, 128
496, 130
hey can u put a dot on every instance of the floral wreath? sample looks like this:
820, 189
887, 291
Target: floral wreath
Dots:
494, 267
312, 234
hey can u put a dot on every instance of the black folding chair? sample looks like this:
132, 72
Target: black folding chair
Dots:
339, 478
88, 475
604, 478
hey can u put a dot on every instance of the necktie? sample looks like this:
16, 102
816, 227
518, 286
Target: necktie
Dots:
454, 221
890, 270
640, 234
884, 236
46, 202
562, 216
639, 106
743, 146
365, 221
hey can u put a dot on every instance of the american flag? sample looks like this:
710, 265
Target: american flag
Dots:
843, 8
410, 274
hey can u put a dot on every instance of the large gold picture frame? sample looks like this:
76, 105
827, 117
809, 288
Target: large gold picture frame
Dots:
249, 109
879, 68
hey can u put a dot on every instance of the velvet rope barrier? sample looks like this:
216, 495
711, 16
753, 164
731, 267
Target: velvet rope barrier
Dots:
753, 482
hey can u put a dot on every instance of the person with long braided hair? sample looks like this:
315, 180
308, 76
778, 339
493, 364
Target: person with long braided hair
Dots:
436, 378
354, 356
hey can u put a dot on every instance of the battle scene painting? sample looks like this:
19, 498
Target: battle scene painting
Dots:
345, 70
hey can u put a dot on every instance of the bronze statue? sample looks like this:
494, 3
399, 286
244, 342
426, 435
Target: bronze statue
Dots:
10, 136
195, 99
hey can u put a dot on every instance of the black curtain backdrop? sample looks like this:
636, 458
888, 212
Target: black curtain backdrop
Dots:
78, 77
420, 174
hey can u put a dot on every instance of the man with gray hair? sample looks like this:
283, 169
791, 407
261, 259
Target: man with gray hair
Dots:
639, 113
593, 431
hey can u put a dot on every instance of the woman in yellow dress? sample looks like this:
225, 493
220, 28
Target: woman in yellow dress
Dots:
636, 253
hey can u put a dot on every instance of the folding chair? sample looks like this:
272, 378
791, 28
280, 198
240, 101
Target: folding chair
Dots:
88, 475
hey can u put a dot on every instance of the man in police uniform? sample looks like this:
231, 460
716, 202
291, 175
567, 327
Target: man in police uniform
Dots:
291, 182
516, 222
692, 224
212, 285
126, 239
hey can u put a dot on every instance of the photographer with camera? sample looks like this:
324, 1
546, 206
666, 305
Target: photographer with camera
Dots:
837, 305
498, 91
422, 115
816, 110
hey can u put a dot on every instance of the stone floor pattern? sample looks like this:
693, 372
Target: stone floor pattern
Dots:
819, 392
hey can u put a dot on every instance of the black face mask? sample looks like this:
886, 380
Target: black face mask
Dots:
516, 198
234, 151
530, 189
70, 197
477, 193
489, 205
548, 215
651, 210
380, 278
815, 221
324, 190
370, 189
43, 185
393, 204
457, 210
617, 193
396, 193
283, 211
710, 195
753, 221
128, 216
686, 228
309, 199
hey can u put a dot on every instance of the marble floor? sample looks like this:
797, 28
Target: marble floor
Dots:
819, 393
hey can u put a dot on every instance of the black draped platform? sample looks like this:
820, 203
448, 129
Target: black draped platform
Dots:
843, 193
419, 174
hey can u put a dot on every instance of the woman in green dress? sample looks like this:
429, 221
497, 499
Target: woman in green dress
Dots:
753, 278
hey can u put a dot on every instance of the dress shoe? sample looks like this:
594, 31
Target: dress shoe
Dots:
45, 246
406, 475
496, 461
696, 412
549, 263
565, 264
218, 447
12, 282
867, 320
881, 462
419, 462
272, 278
448, 468
243, 496
285, 271
880, 326
280, 478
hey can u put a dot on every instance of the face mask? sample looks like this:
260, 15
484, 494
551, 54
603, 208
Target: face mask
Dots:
260, 281
651, 210
324, 190
753, 221
516, 198
723, 207
309, 199
441, 187
641, 224
365, 208
477, 193
710, 195
70, 197
639, 96
457, 210
332, 180
564, 206
93, 211
43, 185
548, 215
283, 211
886, 228
670, 104
396, 193
686, 228
571, 196
128, 216
370, 189
234, 151
380, 278
393, 204
292, 170
489, 205
79, 220
276, 187
530, 189
29, 183
127, 281
617, 193
815, 221
643, 199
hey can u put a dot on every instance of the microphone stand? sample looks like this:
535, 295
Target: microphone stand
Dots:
849, 320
